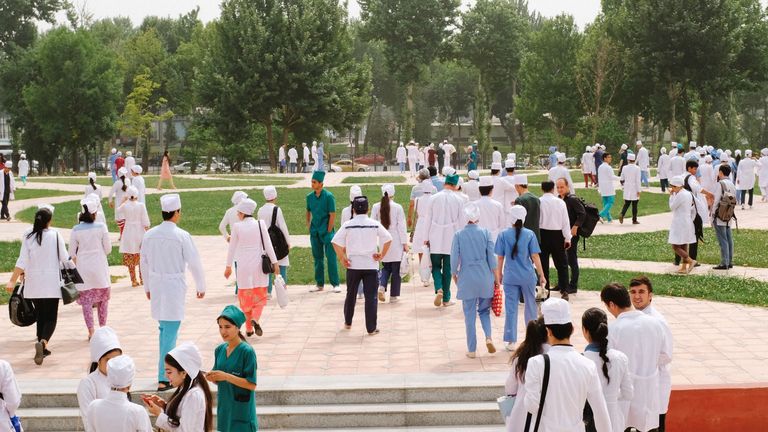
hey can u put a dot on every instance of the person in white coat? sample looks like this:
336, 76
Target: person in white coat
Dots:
606, 187
500, 185
190, 407
268, 213
682, 231
96, 190
304, 157
130, 161
676, 164
134, 213
707, 175
117, 196
104, 346
561, 171
641, 293
116, 413
413, 158
42, 253
510, 192
392, 217
644, 163
11, 399
588, 166
762, 171
535, 343
281, 159
166, 252
7, 189
23, 169
449, 150
662, 169
496, 156
631, 178
444, 216
402, 157
472, 187
249, 242
89, 246
573, 379
612, 366
315, 166
642, 339
230, 216
137, 181
493, 217
293, 159
745, 178
346, 212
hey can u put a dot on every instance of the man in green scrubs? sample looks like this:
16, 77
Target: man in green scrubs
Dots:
321, 215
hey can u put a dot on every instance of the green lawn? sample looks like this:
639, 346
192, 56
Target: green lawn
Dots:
748, 247
180, 182
23, 193
9, 251
374, 180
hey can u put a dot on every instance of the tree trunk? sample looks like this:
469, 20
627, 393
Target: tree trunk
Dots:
672, 94
687, 116
75, 161
270, 142
511, 120
408, 120
703, 117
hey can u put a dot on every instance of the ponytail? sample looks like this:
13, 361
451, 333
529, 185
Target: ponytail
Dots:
518, 228
86, 215
172, 408
595, 322
93, 183
384, 216
125, 186
42, 219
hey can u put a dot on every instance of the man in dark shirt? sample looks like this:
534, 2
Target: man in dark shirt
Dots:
531, 204
598, 160
440, 157
6, 189
576, 215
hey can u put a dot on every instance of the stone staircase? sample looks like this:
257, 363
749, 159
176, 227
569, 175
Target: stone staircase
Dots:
447, 402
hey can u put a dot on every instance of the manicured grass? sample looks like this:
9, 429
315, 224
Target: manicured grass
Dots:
23, 193
650, 203
715, 288
748, 247
9, 251
181, 182
374, 180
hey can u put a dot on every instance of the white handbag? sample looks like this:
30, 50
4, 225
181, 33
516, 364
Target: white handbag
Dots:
281, 292
506, 403
425, 266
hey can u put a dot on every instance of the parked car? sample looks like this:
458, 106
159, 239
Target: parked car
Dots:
370, 159
185, 167
346, 165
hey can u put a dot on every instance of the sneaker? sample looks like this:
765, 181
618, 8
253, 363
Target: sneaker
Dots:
394, 299
318, 288
39, 353
720, 267
489, 344
337, 289
374, 333
635, 223
257, 328
471, 355
382, 296
509, 346
439, 298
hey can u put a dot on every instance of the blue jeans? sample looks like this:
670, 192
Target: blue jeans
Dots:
169, 331
607, 204
283, 273
402, 167
644, 177
393, 269
473, 308
725, 239
511, 300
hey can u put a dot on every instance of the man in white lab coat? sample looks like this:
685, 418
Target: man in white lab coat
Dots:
23, 169
510, 193
402, 157
304, 157
572, 380
643, 339
644, 163
472, 187
413, 158
631, 178
293, 159
7, 188
167, 251
500, 185
314, 156
449, 150
676, 164
116, 413
496, 156
745, 178
605, 178
281, 158
561, 171
492, 214
588, 166
641, 292
662, 169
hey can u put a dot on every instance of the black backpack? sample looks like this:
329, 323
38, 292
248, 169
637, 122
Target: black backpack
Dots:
590, 220
279, 242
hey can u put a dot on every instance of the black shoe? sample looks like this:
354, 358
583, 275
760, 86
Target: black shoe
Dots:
257, 328
635, 223
697, 264
46, 353
39, 353
720, 267
621, 219
163, 386
730, 266
564, 295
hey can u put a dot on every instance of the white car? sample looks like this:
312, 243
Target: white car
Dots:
182, 168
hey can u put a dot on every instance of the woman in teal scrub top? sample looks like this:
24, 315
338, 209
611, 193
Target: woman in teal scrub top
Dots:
234, 371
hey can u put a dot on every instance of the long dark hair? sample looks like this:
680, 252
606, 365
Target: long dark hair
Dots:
384, 211
595, 322
518, 228
42, 219
95, 365
535, 337
165, 156
172, 408
93, 183
86, 215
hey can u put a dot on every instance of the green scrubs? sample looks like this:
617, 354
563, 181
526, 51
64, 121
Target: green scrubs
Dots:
236, 410
321, 207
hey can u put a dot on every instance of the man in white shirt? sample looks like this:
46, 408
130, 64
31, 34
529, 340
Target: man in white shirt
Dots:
293, 158
304, 157
605, 178
413, 158
314, 156
572, 380
643, 340
560, 171
631, 178
555, 229
493, 217
281, 158
745, 178
472, 187
496, 156
449, 150
644, 163
641, 293
662, 169
166, 252
402, 157
588, 166
360, 244
676, 164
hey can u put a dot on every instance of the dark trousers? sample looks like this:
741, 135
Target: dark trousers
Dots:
743, 196
47, 311
4, 213
368, 277
664, 184
662, 423
552, 244
573, 263
391, 268
634, 209
693, 252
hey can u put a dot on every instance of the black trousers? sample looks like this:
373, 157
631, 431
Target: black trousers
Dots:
634, 209
370, 288
573, 263
47, 311
4, 213
552, 244
693, 252
664, 184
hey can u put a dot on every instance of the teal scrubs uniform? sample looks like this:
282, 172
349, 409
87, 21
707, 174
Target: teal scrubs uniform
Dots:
320, 239
236, 406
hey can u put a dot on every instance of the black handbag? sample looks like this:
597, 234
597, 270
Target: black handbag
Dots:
266, 263
21, 310
69, 277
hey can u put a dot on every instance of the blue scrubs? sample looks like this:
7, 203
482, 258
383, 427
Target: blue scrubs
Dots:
519, 277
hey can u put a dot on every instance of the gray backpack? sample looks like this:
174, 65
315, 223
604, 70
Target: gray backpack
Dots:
726, 208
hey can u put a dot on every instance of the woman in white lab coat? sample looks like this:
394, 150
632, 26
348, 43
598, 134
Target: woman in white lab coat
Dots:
535, 343
42, 253
612, 366
136, 220
190, 407
745, 179
11, 399
249, 241
762, 170
681, 232
266, 212
104, 346
95, 189
391, 215
89, 245
137, 181
117, 195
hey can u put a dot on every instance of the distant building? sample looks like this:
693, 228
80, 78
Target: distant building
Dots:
5, 134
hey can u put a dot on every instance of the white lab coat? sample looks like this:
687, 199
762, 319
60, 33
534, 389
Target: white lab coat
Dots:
421, 230
42, 278
346, 214
492, 216
413, 152
763, 172
116, 413
745, 177
500, 187
11, 396
641, 338
130, 162
23, 168
559, 172
265, 214
618, 389
397, 230
630, 175
89, 190
588, 163
449, 150
293, 155
471, 189
245, 247
92, 387
496, 157
230, 219
605, 178
136, 223
305, 154
692, 155
423, 158
401, 155
707, 177
314, 154
682, 231
281, 153
191, 413
676, 166
166, 252
90, 244
665, 371
643, 159
2, 185
445, 215
573, 381
514, 387
117, 194
138, 183
662, 169
699, 200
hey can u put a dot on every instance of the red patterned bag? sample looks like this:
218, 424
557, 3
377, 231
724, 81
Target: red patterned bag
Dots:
497, 301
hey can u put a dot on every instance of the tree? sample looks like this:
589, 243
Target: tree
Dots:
452, 90
140, 112
413, 33
18, 21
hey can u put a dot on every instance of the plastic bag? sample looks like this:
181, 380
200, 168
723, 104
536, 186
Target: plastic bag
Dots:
281, 292
405, 264
497, 302
425, 267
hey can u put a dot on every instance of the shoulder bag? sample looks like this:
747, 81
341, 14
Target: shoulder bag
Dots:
266, 263
544, 386
21, 310
69, 277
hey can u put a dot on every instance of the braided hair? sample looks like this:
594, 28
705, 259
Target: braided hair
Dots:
384, 210
595, 322
518, 229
